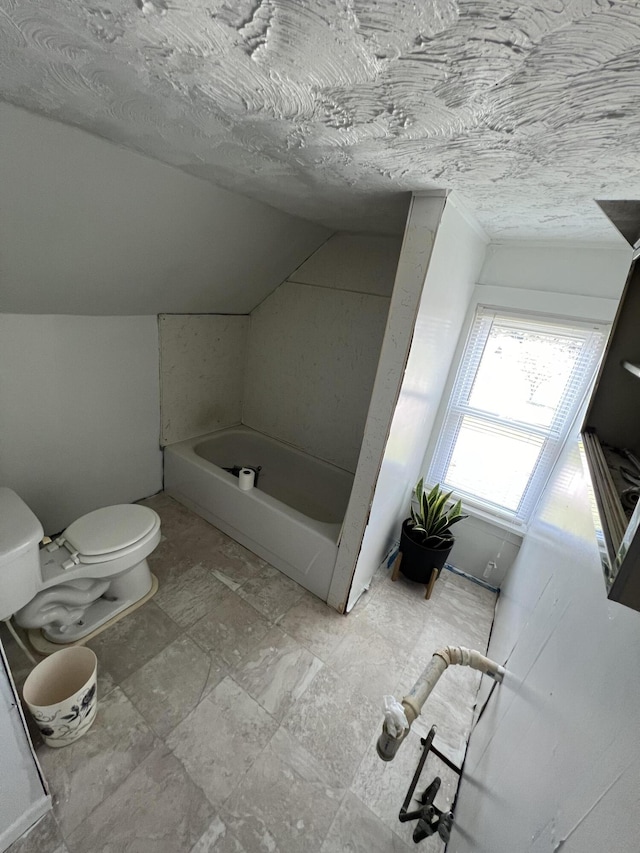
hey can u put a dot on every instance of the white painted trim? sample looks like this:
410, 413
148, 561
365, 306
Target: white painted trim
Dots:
435, 193
25, 822
332, 287
608, 245
517, 531
468, 217
423, 219
599, 309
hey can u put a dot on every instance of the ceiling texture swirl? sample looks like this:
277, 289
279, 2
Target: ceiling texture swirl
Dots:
334, 109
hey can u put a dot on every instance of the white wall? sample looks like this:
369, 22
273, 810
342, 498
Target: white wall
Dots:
79, 419
87, 227
484, 550
579, 268
314, 346
455, 262
202, 360
360, 262
554, 763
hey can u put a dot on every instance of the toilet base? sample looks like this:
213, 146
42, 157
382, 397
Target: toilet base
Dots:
43, 646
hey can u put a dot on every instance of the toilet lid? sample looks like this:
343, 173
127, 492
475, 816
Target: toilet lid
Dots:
111, 528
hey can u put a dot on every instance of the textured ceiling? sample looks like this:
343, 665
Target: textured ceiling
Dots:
333, 110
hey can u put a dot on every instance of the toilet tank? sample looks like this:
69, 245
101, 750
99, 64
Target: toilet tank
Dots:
20, 535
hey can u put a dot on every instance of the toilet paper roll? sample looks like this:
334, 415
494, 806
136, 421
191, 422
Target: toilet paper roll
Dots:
246, 478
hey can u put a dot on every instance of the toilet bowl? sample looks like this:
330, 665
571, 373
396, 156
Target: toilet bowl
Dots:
96, 569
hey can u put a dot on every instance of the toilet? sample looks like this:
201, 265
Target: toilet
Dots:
94, 571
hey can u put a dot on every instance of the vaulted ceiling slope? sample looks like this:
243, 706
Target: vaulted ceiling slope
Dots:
330, 109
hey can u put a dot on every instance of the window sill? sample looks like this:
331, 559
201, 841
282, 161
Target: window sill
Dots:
498, 521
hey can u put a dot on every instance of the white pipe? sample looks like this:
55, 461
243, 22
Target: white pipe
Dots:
18, 640
412, 703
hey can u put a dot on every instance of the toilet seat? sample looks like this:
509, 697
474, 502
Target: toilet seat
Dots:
108, 533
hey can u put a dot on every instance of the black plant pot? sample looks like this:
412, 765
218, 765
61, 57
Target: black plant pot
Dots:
418, 561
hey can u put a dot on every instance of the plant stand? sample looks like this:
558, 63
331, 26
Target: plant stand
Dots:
419, 563
435, 574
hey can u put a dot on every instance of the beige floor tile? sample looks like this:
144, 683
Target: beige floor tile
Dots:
171, 684
334, 723
271, 592
218, 838
235, 564
190, 596
175, 519
219, 740
158, 809
437, 632
412, 590
468, 619
395, 616
469, 597
316, 625
203, 543
83, 773
277, 672
105, 682
230, 630
130, 643
183, 547
369, 662
286, 802
169, 560
357, 830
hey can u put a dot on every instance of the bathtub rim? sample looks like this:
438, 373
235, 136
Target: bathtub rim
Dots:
186, 449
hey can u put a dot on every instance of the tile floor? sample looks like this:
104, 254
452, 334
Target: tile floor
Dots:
238, 713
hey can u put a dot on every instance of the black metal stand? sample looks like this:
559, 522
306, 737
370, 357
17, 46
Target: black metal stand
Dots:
430, 818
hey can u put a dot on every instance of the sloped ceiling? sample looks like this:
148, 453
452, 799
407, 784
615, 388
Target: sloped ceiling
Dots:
331, 109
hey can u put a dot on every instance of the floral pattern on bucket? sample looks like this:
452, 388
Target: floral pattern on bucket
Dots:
68, 727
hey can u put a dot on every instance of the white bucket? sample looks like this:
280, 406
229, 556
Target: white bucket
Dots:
61, 694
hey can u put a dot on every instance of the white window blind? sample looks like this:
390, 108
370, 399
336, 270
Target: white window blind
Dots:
518, 388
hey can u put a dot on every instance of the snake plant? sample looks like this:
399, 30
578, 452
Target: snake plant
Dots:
430, 524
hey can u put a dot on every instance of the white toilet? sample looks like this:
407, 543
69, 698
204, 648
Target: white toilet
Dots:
95, 570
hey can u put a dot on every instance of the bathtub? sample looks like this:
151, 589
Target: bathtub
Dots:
292, 519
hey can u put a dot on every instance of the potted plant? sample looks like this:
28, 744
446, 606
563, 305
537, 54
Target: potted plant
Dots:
426, 540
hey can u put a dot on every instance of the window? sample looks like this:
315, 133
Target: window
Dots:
519, 386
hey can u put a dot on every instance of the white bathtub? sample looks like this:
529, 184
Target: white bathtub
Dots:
292, 519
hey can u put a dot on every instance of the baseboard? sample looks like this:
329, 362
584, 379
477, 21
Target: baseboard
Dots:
471, 578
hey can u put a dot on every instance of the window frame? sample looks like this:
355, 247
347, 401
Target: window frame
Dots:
581, 311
